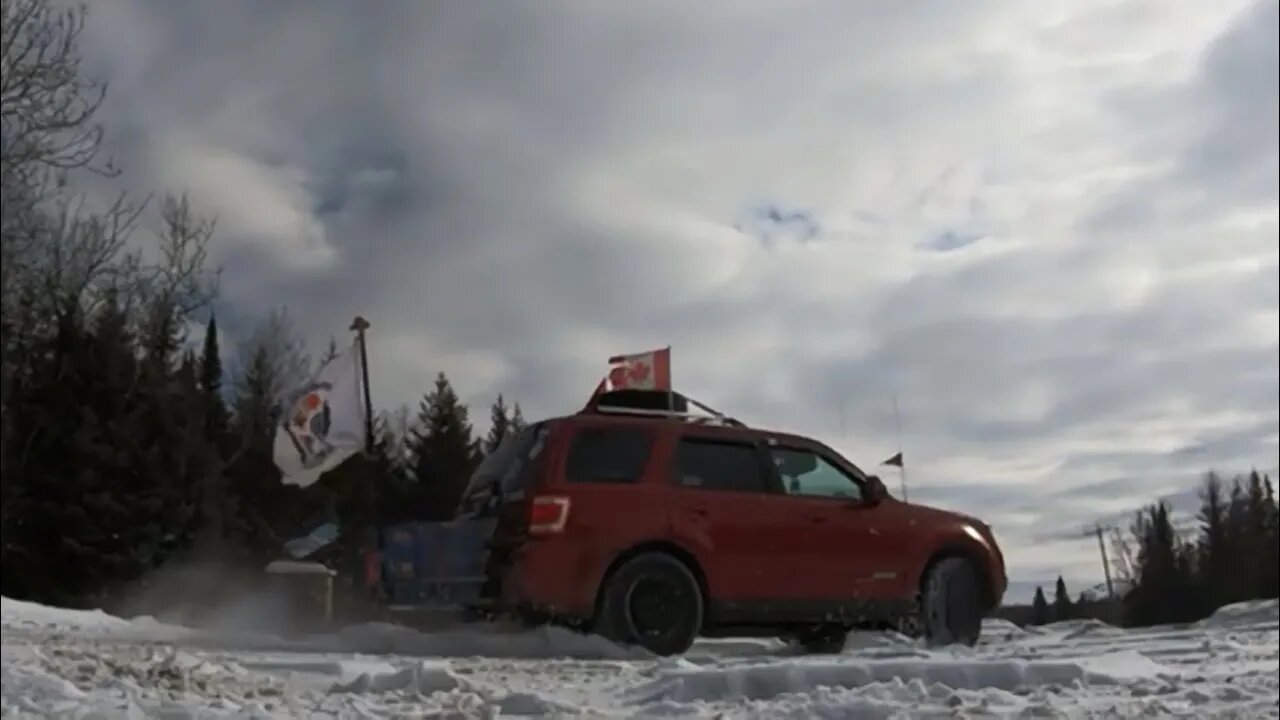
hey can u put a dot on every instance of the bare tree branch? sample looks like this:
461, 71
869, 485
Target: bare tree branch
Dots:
46, 104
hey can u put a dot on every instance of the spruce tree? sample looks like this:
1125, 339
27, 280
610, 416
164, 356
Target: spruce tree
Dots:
1039, 608
1270, 561
499, 425
216, 415
1165, 590
1237, 587
211, 359
443, 451
517, 422
1256, 531
1216, 556
1062, 608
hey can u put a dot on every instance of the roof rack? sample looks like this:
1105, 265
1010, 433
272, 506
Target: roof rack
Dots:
658, 404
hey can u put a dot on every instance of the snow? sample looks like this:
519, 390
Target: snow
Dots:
88, 664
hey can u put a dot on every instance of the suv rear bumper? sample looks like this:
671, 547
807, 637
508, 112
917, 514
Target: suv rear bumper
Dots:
546, 576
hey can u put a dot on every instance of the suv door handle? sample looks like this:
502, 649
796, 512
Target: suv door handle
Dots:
817, 519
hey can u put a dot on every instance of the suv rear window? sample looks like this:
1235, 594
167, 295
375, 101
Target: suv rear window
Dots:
719, 465
608, 455
509, 468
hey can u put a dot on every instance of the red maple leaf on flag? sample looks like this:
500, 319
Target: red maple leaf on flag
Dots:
644, 371
640, 372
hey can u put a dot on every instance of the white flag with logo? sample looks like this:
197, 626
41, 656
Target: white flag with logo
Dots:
322, 423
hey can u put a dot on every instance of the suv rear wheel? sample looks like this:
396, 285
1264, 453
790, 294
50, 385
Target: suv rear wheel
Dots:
951, 603
653, 601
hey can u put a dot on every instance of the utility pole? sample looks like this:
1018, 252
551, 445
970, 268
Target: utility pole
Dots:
1106, 562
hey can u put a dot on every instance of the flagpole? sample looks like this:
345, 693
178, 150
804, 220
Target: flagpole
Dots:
902, 468
359, 325
671, 384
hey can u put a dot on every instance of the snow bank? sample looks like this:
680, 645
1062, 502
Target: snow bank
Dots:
1254, 612
544, 642
18, 616
768, 680
1076, 629
369, 638
1001, 630
22, 615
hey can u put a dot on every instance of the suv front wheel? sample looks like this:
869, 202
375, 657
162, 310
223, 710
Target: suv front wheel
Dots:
653, 601
951, 603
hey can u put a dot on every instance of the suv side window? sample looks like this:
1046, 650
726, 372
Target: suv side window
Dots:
719, 465
807, 474
608, 455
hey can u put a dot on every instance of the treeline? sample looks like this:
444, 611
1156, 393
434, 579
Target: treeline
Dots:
1062, 609
124, 443
1233, 555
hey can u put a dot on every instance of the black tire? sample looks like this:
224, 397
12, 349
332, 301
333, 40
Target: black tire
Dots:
952, 603
822, 640
653, 601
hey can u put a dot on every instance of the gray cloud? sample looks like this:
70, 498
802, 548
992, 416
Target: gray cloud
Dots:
513, 194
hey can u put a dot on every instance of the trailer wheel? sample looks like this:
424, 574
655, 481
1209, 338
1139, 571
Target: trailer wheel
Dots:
652, 601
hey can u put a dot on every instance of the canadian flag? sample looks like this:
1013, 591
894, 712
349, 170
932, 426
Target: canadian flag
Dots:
639, 371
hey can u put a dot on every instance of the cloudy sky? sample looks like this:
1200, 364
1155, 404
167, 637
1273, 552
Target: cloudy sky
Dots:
1050, 228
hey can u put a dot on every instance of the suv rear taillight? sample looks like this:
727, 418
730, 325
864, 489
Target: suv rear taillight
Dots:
548, 514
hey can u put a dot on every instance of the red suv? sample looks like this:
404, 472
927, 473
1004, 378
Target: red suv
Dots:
651, 526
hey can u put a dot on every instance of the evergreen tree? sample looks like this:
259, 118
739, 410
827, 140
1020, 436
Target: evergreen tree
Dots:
1270, 558
1257, 534
1062, 608
499, 425
262, 512
1238, 579
517, 422
1165, 590
443, 451
1039, 608
1215, 553
211, 360
216, 415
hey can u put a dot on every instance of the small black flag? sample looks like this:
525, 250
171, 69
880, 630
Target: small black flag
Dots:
895, 461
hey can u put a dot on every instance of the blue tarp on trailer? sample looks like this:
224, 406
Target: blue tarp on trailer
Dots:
435, 563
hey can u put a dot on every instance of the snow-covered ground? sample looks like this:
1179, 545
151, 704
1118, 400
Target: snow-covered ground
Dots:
75, 664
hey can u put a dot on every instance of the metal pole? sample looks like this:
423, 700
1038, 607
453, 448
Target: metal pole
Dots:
359, 325
897, 425
671, 384
368, 517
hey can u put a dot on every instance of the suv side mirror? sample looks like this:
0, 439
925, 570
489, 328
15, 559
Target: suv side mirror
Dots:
876, 491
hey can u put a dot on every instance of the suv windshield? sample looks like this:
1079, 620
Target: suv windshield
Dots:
506, 469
